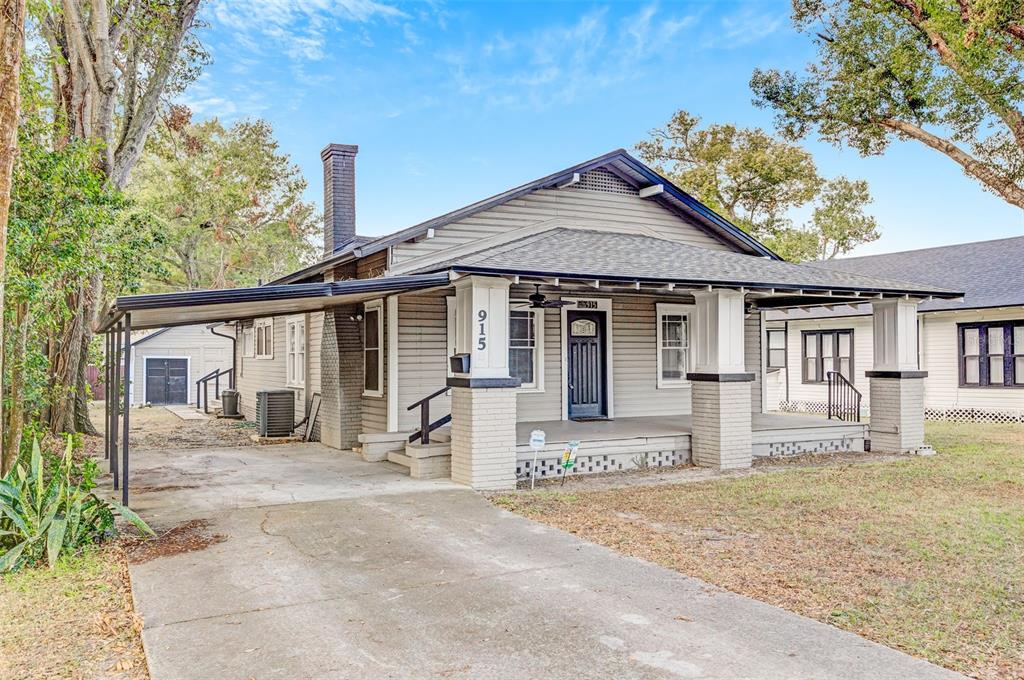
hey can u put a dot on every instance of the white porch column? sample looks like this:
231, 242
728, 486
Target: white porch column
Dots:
721, 436
897, 383
484, 398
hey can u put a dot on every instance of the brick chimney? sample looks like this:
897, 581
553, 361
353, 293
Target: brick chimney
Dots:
339, 194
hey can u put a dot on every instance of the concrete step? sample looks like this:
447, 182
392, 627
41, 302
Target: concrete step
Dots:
429, 461
399, 459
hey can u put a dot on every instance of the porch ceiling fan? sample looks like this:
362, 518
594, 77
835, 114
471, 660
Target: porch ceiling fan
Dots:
539, 300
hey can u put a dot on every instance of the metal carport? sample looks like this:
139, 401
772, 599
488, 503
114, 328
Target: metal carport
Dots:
161, 310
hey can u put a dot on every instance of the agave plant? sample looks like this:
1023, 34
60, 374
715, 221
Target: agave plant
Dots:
45, 515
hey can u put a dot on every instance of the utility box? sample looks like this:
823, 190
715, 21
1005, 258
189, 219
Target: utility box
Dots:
275, 413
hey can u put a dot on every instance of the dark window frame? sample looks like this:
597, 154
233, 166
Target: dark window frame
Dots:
768, 349
835, 333
1010, 354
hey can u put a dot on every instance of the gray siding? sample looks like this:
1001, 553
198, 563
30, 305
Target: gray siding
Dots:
271, 373
584, 207
375, 409
422, 355
752, 350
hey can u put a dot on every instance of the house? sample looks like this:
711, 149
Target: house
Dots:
167, 362
972, 349
599, 304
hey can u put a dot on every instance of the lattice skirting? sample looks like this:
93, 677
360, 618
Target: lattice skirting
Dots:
957, 414
550, 467
975, 415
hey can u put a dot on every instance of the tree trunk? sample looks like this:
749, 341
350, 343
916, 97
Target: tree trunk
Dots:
14, 418
12, 35
66, 366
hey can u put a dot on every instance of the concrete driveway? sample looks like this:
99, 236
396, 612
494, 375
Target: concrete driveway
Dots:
336, 568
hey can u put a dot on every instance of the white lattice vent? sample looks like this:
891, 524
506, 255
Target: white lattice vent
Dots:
603, 180
975, 415
588, 465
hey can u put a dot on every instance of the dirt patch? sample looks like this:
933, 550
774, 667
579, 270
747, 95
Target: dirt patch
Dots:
157, 428
74, 621
165, 487
187, 537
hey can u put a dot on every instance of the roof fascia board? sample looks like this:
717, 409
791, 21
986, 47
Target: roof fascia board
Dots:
760, 285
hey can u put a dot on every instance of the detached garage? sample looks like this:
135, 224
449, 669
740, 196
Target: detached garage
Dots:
167, 362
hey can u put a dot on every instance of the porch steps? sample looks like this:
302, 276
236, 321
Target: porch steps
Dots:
425, 461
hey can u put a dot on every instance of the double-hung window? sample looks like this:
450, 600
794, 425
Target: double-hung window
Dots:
264, 331
524, 346
992, 354
373, 337
827, 351
248, 341
673, 337
296, 345
775, 339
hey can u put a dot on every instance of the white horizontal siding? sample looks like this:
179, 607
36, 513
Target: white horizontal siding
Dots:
205, 352
422, 356
863, 357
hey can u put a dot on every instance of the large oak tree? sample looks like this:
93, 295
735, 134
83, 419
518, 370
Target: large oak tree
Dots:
944, 73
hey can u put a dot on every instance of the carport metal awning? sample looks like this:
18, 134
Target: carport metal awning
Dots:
206, 306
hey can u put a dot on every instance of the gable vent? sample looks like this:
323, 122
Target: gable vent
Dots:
604, 181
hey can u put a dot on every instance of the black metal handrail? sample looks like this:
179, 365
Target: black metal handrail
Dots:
426, 427
204, 383
843, 398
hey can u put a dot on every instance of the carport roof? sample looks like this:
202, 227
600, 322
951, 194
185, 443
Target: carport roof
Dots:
205, 306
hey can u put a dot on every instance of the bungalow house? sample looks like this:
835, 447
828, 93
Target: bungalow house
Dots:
599, 304
972, 349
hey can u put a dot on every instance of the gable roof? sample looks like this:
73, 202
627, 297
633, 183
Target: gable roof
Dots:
620, 162
580, 253
990, 273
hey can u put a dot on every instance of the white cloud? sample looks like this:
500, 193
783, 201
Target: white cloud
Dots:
555, 64
745, 27
298, 28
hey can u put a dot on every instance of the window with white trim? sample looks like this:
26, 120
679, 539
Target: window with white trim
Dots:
673, 333
264, 331
373, 356
775, 340
525, 347
248, 344
295, 342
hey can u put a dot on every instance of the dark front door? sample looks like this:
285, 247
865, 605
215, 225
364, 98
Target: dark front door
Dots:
167, 381
586, 364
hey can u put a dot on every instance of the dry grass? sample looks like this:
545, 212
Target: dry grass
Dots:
925, 555
75, 621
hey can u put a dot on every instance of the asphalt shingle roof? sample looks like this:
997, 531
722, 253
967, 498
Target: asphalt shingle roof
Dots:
598, 254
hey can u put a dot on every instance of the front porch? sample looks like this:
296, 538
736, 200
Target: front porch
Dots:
658, 441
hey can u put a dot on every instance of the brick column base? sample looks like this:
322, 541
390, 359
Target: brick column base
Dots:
897, 413
484, 437
721, 436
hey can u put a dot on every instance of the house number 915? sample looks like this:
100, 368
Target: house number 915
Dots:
481, 339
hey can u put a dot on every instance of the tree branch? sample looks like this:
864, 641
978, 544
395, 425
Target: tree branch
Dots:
1005, 188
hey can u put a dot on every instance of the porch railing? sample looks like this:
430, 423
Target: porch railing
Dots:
204, 385
843, 398
426, 427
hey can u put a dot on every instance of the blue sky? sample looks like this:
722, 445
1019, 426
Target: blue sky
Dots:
453, 102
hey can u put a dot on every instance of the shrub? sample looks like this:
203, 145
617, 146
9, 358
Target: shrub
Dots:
47, 508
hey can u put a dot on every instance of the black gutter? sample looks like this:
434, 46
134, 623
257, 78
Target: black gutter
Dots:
234, 357
759, 285
295, 291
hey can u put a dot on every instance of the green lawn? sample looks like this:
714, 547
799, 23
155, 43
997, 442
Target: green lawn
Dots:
75, 621
925, 554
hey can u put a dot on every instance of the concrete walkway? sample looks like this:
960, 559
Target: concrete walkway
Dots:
344, 569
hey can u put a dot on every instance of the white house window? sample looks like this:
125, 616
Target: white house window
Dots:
373, 364
776, 341
248, 346
673, 334
264, 331
523, 346
296, 344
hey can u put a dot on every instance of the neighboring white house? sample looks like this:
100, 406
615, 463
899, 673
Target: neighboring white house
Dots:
167, 362
972, 349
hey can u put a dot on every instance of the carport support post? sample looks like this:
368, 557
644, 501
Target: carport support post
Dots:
721, 432
127, 404
115, 420
106, 395
897, 383
483, 442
